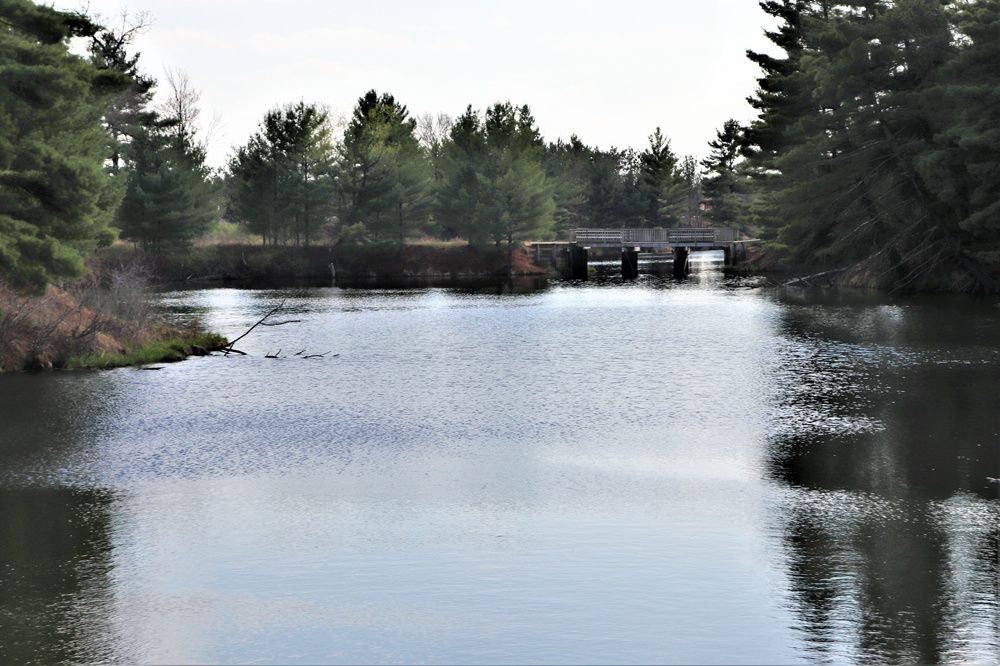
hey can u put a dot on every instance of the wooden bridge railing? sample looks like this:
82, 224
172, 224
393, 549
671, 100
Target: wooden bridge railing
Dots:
652, 236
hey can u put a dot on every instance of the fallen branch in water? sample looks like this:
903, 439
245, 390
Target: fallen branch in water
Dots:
262, 321
302, 353
805, 281
323, 355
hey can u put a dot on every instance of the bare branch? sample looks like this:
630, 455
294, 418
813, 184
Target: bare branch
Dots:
228, 348
323, 355
281, 323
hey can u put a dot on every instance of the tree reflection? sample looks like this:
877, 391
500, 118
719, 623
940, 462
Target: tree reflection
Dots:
54, 572
55, 546
877, 433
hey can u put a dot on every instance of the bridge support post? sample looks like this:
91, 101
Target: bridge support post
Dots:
681, 255
736, 253
727, 253
578, 262
630, 263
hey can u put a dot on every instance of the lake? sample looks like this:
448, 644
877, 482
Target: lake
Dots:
659, 471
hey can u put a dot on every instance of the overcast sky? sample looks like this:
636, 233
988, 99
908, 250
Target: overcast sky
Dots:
610, 71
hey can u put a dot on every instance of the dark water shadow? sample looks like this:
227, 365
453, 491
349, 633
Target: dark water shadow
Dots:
885, 433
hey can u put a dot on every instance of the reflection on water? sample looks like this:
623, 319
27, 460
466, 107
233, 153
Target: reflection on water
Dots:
886, 431
55, 574
658, 470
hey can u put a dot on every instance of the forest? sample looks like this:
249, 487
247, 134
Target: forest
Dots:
873, 152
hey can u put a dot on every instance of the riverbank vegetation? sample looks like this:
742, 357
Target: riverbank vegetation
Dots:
276, 265
106, 320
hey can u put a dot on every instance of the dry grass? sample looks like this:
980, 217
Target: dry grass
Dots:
108, 314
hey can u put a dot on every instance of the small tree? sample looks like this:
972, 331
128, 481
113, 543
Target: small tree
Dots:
384, 177
170, 198
281, 181
721, 182
495, 188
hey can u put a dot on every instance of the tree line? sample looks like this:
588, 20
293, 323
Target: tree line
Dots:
485, 176
874, 147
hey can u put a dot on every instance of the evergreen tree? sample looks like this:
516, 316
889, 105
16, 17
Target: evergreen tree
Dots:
693, 187
170, 198
311, 154
130, 111
863, 103
721, 183
962, 108
253, 194
384, 179
461, 193
281, 181
664, 189
784, 93
635, 205
567, 166
56, 198
495, 187
606, 190
171, 195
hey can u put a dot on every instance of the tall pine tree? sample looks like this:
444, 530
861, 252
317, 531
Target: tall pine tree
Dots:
384, 179
56, 198
495, 187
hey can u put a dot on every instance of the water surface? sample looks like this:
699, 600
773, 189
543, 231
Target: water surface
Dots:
657, 471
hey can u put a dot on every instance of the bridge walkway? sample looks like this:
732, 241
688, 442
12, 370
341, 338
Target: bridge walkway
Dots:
572, 254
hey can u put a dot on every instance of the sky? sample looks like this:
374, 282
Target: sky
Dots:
609, 71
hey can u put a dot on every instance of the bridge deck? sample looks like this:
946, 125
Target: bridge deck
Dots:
654, 238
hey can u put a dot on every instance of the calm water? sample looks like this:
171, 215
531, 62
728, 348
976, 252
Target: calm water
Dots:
697, 472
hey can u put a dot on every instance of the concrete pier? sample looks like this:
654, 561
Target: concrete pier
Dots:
630, 263
681, 263
578, 262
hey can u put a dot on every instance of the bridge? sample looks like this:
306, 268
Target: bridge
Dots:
572, 254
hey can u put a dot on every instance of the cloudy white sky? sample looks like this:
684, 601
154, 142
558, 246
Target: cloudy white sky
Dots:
610, 71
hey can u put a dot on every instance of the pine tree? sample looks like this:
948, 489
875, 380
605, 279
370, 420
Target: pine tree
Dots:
665, 192
56, 199
130, 112
567, 166
495, 188
384, 177
170, 198
281, 181
962, 107
691, 176
606, 190
721, 183
865, 178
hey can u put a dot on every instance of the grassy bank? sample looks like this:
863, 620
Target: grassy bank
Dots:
164, 351
108, 320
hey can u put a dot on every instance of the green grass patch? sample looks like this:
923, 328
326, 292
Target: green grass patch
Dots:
166, 351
